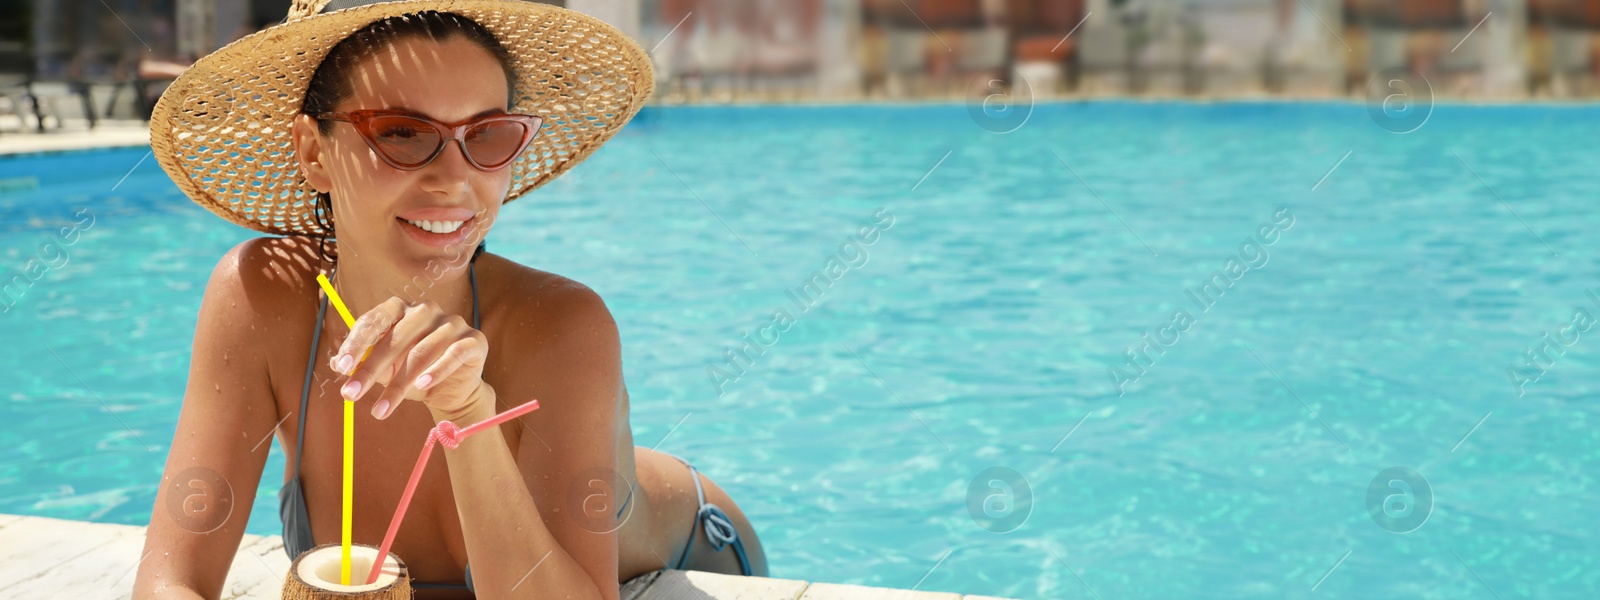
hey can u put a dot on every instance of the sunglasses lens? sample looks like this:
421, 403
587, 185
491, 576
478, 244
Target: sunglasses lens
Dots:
495, 143
405, 140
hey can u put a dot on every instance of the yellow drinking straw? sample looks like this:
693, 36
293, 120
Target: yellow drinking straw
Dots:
349, 438
349, 468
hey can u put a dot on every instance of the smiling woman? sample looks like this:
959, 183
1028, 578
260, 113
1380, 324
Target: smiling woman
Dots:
408, 137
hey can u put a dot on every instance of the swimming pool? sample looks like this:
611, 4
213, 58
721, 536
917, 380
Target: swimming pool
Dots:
1379, 329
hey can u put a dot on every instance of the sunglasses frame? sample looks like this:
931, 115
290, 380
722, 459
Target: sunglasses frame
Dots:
448, 132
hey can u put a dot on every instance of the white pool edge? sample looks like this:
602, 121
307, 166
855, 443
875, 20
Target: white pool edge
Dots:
45, 557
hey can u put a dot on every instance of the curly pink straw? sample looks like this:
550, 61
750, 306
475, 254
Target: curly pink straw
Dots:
448, 434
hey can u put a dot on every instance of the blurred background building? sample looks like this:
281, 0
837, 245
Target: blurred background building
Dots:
90, 59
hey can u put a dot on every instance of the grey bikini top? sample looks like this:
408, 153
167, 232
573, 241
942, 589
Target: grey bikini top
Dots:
291, 498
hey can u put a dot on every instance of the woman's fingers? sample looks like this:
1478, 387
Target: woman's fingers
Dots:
404, 381
416, 352
388, 350
366, 331
449, 367
464, 351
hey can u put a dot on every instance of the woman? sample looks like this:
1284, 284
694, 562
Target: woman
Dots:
406, 137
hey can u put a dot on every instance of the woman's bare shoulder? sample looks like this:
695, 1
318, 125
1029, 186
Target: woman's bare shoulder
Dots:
555, 339
274, 269
269, 281
518, 278
543, 307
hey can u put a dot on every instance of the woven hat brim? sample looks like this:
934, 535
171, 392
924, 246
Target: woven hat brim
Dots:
222, 131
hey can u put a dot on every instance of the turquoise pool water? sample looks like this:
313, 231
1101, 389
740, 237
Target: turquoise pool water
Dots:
1380, 331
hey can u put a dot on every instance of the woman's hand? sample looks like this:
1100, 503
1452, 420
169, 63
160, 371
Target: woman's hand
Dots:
418, 353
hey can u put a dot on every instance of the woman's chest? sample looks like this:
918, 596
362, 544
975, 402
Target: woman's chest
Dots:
311, 430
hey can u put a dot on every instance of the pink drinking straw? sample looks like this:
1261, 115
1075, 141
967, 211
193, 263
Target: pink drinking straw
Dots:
448, 434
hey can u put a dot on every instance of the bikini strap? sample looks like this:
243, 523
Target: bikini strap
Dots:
718, 527
472, 276
305, 390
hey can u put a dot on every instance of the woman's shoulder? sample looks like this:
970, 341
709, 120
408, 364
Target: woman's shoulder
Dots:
256, 292
521, 280
272, 273
554, 338
544, 307
277, 266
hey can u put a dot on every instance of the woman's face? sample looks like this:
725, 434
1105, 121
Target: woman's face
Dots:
372, 202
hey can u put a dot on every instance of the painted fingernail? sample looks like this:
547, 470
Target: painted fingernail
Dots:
379, 410
344, 363
423, 381
351, 390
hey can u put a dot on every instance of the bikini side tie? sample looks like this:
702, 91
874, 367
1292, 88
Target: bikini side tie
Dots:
719, 528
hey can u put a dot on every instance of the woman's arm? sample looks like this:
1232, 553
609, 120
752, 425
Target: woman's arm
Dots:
523, 517
216, 457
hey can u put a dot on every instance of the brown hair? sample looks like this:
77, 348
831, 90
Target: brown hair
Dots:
331, 83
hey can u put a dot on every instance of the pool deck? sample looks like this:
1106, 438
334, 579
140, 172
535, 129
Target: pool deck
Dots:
75, 135
53, 558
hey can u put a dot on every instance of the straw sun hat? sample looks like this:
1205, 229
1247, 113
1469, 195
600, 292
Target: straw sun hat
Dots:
222, 130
